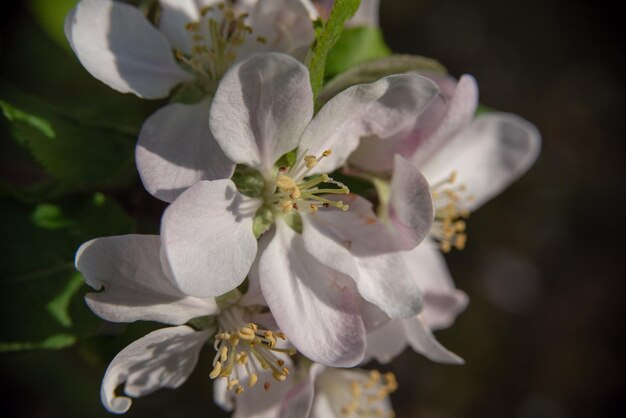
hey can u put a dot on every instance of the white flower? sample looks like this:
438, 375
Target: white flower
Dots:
262, 110
324, 392
467, 161
194, 43
134, 286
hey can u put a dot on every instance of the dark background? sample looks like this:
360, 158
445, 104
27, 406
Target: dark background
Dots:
544, 267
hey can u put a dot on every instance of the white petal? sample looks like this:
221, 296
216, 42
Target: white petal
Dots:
285, 26
490, 154
162, 359
135, 288
118, 46
175, 150
261, 108
313, 305
175, 14
358, 245
381, 109
207, 238
411, 208
442, 301
459, 114
386, 342
298, 401
424, 342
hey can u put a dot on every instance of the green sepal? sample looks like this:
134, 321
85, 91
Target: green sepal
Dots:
294, 220
248, 181
263, 220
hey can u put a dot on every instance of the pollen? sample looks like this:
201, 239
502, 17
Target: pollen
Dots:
295, 189
450, 225
365, 395
244, 352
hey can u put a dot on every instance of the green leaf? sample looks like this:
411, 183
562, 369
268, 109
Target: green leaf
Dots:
50, 14
75, 153
370, 71
326, 37
41, 294
356, 45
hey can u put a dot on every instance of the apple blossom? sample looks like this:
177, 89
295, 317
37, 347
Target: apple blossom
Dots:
261, 111
134, 286
192, 45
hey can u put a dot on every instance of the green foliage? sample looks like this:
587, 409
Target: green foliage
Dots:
248, 181
325, 38
370, 71
50, 14
76, 153
356, 45
41, 293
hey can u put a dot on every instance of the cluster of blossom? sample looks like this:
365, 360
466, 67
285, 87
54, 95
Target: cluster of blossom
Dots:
286, 274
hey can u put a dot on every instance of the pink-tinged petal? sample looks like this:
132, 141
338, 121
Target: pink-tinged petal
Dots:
424, 342
135, 288
284, 25
381, 109
162, 359
118, 46
376, 155
261, 108
386, 342
207, 238
495, 150
298, 401
358, 245
442, 301
459, 114
175, 150
411, 208
258, 402
314, 305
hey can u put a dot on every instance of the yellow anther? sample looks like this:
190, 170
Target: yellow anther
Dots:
238, 390
232, 383
253, 379
313, 208
261, 40
279, 376
285, 183
295, 193
327, 152
281, 335
216, 370
246, 333
286, 205
223, 353
310, 161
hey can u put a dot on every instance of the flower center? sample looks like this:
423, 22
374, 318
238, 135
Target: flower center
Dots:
244, 350
450, 213
367, 394
215, 40
293, 192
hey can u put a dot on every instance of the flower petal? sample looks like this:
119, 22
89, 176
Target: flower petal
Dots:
411, 208
381, 109
313, 305
284, 25
298, 401
175, 150
175, 14
442, 301
423, 341
118, 46
386, 342
490, 154
358, 245
135, 287
207, 238
261, 108
162, 359
459, 114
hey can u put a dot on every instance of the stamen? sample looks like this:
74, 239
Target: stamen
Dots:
365, 395
246, 349
449, 227
292, 189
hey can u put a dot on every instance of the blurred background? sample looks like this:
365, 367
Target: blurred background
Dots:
544, 266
